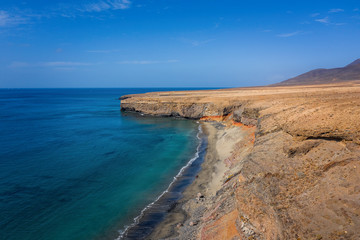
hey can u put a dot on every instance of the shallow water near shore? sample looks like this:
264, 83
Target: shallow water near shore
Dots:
156, 212
72, 166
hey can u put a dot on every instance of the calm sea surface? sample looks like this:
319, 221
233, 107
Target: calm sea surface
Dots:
72, 166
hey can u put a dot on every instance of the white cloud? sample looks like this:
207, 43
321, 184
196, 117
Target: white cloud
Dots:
326, 20
145, 62
16, 16
285, 35
315, 14
102, 51
49, 64
336, 10
65, 64
323, 20
18, 64
196, 43
4, 18
65, 68
138, 62
106, 5
120, 4
8, 20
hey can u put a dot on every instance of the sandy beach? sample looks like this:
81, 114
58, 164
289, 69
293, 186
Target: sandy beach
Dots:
182, 221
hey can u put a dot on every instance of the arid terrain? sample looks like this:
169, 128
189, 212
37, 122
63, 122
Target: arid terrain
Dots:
322, 75
292, 170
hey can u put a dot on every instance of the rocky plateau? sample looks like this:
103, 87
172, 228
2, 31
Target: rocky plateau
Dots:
295, 175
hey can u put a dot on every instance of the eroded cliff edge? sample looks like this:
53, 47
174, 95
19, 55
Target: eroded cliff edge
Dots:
297, 179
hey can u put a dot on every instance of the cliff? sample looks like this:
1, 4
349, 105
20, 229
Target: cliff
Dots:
296, 178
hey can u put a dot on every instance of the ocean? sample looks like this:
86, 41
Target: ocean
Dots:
73, 166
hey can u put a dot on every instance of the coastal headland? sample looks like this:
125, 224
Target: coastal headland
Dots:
283, 162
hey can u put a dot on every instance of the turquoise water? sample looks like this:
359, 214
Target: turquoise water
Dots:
72, 166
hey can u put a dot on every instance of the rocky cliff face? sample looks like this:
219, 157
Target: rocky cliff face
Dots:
191, 109
300, 177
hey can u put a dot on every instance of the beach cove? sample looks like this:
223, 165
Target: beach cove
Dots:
280, 161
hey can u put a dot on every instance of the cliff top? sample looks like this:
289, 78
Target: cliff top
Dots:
300, 178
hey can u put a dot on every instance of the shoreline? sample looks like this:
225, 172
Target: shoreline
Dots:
293, 174
153, 214
183, 221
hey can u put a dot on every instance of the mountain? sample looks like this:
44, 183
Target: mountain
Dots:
320, 76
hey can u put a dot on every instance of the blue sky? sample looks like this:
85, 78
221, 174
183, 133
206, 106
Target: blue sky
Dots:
172, 43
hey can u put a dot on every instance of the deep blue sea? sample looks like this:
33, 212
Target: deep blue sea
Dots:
72, 166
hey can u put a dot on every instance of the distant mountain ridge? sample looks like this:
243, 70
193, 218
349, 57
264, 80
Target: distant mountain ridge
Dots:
321, 76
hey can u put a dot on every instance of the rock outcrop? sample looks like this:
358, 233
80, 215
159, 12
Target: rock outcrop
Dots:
300, 177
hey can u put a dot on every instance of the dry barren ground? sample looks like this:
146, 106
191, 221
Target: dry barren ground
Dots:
298, 178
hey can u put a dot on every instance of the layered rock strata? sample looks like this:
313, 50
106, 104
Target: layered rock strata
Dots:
298, 176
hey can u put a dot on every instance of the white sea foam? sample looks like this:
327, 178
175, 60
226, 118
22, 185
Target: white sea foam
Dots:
122, 233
